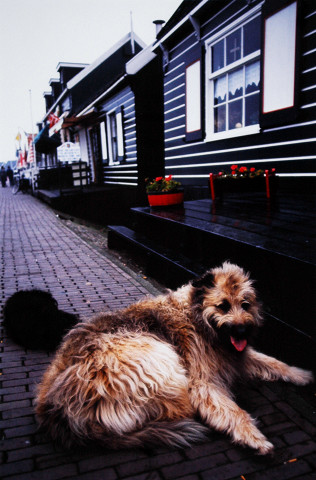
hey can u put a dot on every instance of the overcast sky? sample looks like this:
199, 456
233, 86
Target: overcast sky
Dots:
35, 35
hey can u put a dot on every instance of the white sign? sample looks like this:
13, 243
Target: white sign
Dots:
69, 152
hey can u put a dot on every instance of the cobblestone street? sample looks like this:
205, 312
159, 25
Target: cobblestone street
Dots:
41, 250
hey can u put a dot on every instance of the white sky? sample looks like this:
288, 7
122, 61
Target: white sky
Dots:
35, 35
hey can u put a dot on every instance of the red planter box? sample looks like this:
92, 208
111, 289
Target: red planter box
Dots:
163, 199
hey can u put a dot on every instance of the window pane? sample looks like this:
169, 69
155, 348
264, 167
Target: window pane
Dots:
220, 90
252, 110
252, 35
218, 56
233, 47
220, 119
235, 84
252, 77
235, 114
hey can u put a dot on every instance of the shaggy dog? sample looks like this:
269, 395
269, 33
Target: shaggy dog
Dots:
143, 375
32, 319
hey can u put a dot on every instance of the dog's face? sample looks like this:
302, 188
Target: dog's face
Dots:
226, 303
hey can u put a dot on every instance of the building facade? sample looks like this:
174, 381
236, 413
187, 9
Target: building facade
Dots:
239, 88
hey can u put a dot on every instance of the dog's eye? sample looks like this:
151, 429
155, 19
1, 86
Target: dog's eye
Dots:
224, 306
245, 306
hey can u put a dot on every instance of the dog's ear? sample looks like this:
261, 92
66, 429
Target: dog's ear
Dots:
199, 285
207, 280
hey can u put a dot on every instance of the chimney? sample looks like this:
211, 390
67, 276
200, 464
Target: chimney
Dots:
159, 24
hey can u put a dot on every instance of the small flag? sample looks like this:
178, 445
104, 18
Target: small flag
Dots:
53, 119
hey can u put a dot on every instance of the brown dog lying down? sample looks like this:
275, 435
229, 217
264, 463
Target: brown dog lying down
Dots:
142, 375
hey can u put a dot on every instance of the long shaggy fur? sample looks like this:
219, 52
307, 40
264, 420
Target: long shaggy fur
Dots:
145, 374
32, 319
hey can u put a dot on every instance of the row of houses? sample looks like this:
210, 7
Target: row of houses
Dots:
225, 82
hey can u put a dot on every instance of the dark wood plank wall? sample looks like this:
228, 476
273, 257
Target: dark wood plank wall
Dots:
125, 173
288, 148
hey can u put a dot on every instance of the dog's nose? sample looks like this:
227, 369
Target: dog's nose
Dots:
240, 331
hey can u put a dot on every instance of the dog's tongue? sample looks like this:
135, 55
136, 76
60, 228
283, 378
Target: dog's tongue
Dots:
240, 345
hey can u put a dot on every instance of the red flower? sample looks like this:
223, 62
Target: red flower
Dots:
168, 178
234, 167
233, 172
252, 169
243, 169
220, 174
158, 179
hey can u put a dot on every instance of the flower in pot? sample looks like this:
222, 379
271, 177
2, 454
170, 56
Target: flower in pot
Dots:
164, 191
241, 179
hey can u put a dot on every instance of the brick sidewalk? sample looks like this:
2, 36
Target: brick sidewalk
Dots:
39, 251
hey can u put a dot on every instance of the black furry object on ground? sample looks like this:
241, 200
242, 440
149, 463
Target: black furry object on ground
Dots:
32, 319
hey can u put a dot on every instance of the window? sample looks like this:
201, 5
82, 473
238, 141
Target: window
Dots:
115, 135
234, 81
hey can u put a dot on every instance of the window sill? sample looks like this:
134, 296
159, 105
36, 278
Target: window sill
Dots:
237, 132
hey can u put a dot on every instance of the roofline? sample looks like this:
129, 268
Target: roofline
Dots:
140, 60
92, 104
71, 65
81, 75
54, 80
179, 24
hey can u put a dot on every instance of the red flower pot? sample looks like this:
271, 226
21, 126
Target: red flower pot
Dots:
163, 199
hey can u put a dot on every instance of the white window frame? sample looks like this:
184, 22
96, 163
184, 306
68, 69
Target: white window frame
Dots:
211, 77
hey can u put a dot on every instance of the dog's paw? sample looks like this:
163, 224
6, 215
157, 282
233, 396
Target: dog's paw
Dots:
301, 377
265, 448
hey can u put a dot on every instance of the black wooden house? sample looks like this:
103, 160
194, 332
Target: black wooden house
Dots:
239, 87
113, 109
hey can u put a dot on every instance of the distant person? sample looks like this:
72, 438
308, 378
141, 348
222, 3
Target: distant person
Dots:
10, 175
3, 176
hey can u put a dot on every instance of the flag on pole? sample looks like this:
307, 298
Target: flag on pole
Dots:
53, 119
22, 159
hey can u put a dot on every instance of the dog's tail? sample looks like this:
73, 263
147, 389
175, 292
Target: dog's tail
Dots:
181, 433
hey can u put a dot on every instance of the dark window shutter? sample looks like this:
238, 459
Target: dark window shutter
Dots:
278, 107
194, 98
120, 134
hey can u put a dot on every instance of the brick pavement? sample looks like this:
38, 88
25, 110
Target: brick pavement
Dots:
38, 250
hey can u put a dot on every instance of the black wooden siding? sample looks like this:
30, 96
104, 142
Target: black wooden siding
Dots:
127, 172
288, 148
